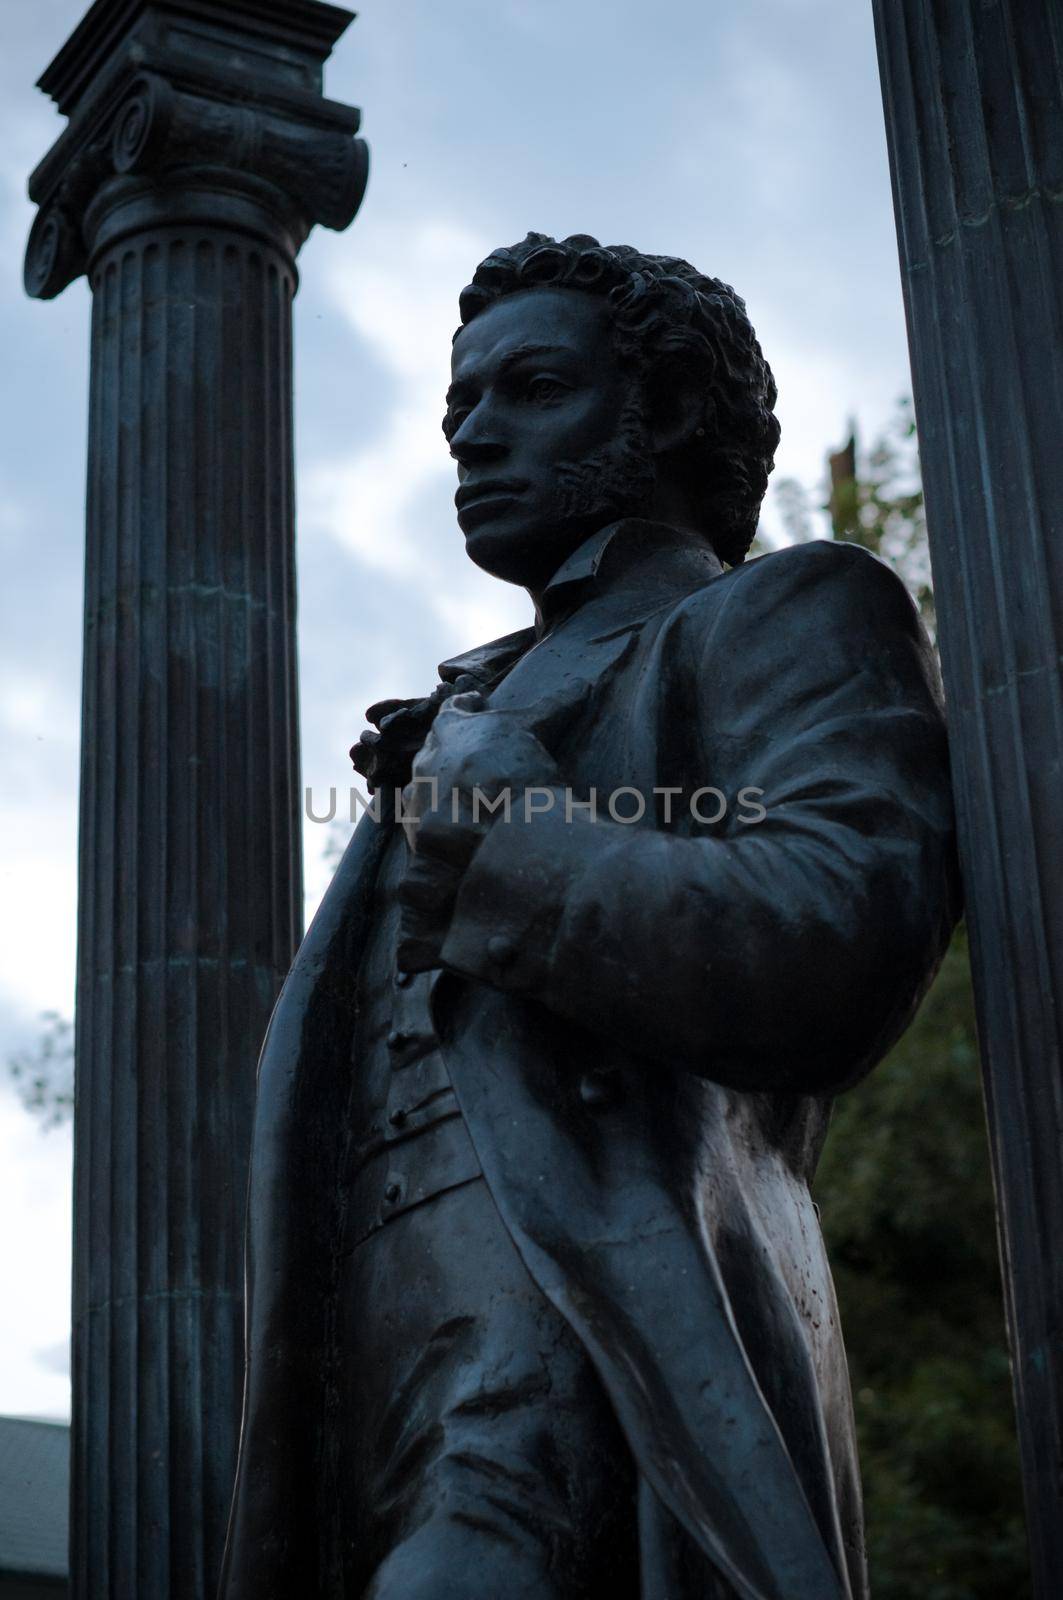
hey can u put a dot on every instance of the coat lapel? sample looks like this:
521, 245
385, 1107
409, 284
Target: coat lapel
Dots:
590, 1199
272, 1551
620, 1263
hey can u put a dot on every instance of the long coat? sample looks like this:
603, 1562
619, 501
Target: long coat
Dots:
645, 1023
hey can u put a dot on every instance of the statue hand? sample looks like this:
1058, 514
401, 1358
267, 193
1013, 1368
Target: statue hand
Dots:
429, 890
469, 750
472, 748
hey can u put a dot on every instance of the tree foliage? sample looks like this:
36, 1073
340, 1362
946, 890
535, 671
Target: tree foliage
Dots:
908, 1214
44, 1075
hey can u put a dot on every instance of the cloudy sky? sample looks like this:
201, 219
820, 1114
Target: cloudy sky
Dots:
744, 136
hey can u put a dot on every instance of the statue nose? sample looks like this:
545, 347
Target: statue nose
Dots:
476, 451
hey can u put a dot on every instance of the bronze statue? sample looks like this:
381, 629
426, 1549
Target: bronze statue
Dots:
539, 1305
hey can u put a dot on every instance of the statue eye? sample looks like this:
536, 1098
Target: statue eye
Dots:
545, 389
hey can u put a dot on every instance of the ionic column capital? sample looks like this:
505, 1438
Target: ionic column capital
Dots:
200, 110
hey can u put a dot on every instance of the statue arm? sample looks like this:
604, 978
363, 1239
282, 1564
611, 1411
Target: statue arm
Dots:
785, 954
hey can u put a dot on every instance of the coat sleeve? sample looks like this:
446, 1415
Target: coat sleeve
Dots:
787, 953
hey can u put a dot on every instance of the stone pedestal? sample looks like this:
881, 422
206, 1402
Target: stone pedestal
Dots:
199, 154
974, 114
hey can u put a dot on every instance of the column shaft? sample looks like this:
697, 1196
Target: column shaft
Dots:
974, 113
199, 153
190, 879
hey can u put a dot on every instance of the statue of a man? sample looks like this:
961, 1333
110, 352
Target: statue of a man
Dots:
539, 1306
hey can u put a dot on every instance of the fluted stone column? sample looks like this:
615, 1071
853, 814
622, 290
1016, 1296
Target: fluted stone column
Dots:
199, 154
974, 112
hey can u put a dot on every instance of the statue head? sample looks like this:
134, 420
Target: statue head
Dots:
593, 383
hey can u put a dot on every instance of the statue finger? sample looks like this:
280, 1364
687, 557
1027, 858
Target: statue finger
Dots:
429, 886
464, 704
419, 954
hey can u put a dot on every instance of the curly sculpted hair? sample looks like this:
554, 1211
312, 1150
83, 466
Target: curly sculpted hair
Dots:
670, 323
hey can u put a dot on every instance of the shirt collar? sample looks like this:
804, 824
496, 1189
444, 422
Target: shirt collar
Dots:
614, 554
611, 555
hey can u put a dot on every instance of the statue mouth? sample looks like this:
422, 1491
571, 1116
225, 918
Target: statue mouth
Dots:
477, 502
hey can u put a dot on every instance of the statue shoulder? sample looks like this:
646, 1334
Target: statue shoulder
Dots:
822, 584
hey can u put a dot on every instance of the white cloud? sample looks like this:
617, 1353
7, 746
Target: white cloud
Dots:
35, 1179
401, 299
364, 502
474, 617
38, 888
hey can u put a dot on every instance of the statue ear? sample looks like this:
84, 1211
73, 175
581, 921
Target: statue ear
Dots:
679, 413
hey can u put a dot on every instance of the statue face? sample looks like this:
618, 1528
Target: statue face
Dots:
545, 426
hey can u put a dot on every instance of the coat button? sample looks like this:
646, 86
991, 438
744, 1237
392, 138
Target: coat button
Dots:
398, 1117
396, 1039
501, 950
392, 1193
598, 1089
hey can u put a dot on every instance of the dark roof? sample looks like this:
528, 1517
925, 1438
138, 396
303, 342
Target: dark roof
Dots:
34, 1480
